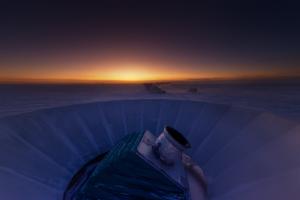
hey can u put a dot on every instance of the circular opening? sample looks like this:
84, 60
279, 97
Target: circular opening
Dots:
176, 135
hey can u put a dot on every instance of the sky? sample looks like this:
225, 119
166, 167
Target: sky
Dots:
148, 40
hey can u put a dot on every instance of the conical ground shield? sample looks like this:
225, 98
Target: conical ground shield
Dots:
245, 154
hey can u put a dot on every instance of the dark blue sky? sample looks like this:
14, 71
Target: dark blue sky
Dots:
209, 36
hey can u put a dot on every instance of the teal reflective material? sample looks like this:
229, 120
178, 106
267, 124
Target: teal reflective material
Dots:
124, 175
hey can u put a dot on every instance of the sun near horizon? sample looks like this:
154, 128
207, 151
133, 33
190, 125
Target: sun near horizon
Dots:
131, 73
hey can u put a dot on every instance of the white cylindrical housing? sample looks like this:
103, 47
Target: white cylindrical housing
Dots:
169, 145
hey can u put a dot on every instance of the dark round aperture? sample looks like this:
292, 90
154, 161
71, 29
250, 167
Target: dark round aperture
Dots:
176, 135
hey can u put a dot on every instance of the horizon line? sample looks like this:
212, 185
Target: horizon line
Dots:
86, 81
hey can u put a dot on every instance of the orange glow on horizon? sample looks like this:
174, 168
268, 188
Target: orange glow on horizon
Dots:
127, 73
139, 74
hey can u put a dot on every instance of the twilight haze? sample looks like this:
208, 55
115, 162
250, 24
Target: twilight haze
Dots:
140, 41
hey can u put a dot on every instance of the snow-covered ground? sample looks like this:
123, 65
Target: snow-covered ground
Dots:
281, 99
245, 153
